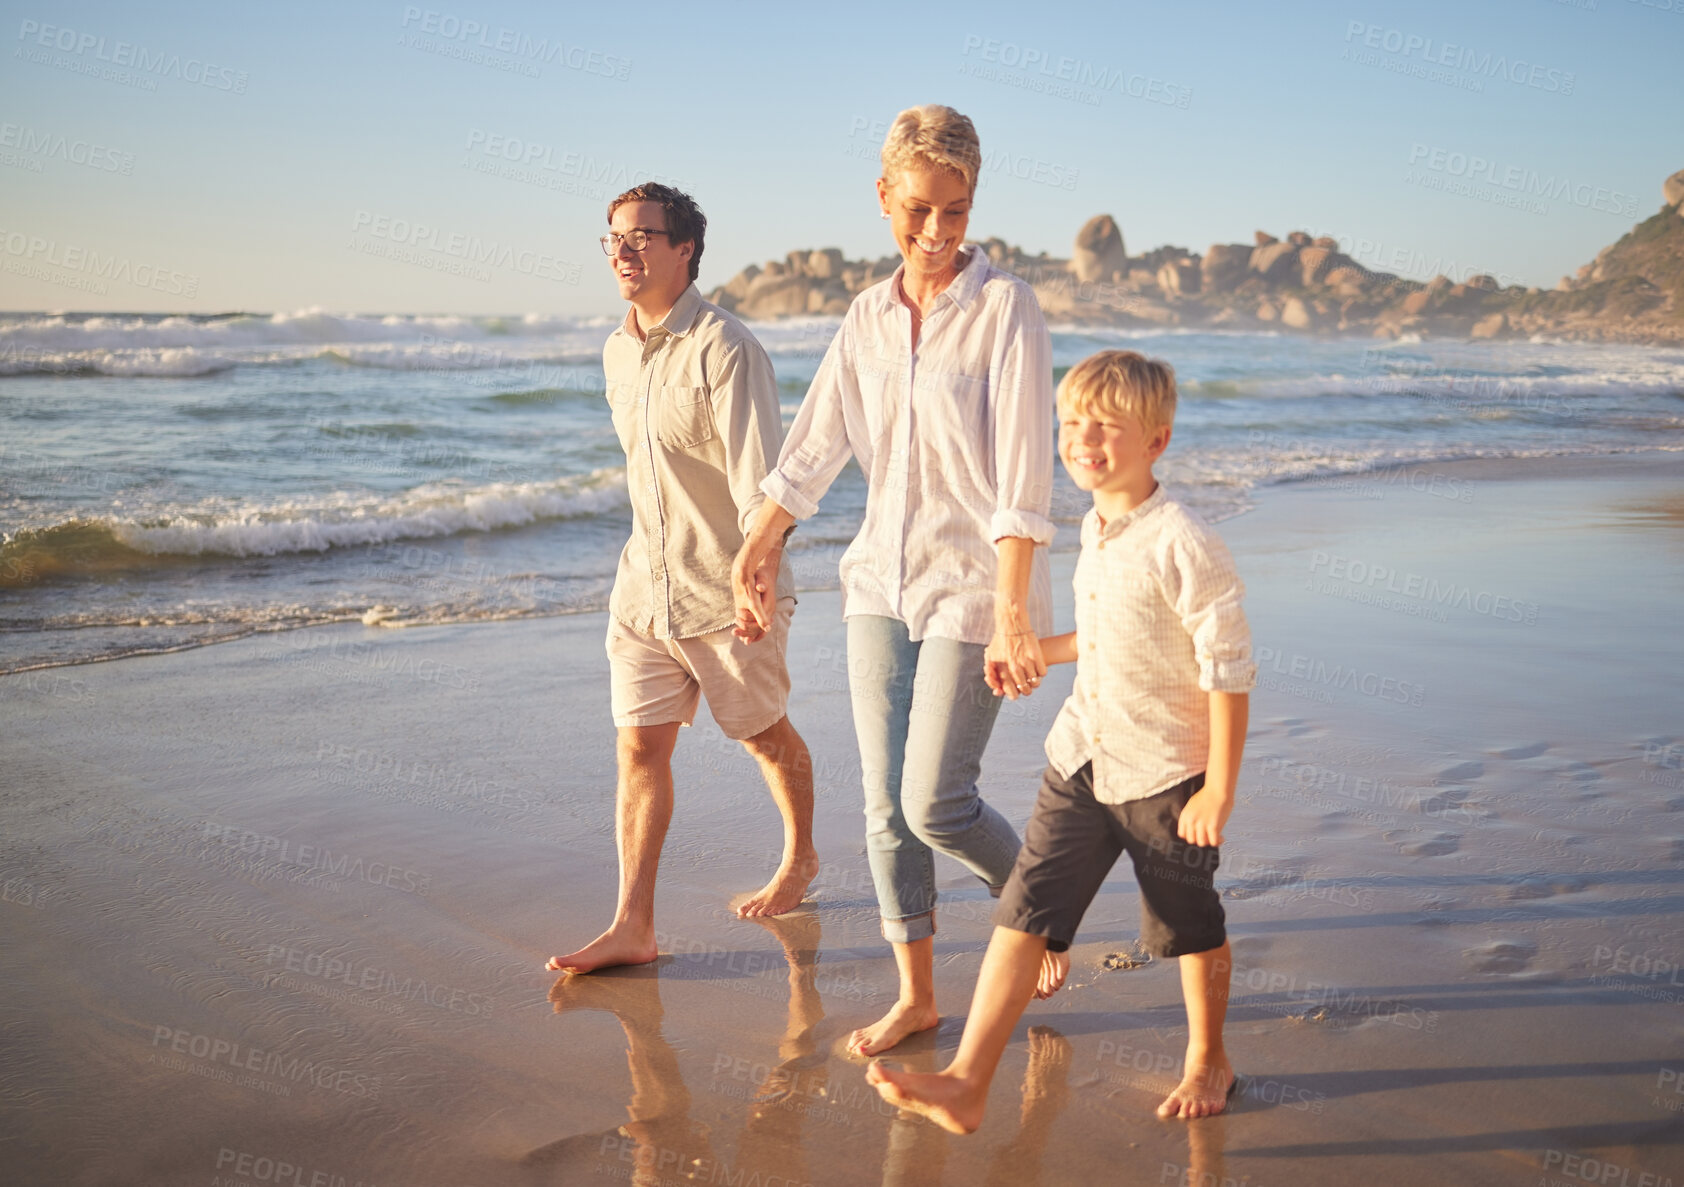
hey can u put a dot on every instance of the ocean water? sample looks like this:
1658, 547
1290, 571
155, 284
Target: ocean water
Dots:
175, 481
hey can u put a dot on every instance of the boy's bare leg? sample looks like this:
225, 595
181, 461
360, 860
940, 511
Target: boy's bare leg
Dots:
914, 1011
642, 811
1055, 967
788, 770
1208, 1076
956, 1097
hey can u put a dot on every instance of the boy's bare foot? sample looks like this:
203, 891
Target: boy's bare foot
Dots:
613, 947
903, 1020
954, 1104
1203, 1092
785, 891
1055, 967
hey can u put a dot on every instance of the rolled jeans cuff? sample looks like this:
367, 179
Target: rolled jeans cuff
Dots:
911, 929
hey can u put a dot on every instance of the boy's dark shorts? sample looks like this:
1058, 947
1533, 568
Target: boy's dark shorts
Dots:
1071, 844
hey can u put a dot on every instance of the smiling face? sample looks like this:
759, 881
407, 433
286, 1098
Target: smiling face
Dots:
929, 210
654, 278
1110, 455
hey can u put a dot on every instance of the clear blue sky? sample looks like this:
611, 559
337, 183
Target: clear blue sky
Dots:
358, 121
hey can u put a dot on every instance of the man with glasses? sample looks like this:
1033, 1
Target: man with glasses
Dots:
695, 404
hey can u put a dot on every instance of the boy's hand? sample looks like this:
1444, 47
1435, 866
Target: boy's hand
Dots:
1012, 664
1202, 819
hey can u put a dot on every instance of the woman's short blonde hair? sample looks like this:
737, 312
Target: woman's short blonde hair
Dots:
1116, 383
932, 137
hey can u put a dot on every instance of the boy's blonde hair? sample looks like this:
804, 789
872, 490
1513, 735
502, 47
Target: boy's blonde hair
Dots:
932, 137
1116, 383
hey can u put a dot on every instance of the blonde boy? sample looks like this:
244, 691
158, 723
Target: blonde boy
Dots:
1143, 758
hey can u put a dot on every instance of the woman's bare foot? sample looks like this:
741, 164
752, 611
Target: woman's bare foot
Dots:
954, 1104
903, 1020
1055, 967
617, 945
785, 891
1203, 1091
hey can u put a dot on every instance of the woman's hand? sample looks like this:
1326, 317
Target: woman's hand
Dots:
1013, 664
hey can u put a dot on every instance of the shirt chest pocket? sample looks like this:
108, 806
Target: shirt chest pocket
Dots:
686, 417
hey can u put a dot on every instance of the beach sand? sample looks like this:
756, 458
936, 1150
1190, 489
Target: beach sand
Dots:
275, 911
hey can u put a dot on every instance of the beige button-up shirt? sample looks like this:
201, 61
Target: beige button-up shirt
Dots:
955, 440
695, 403
1158, 628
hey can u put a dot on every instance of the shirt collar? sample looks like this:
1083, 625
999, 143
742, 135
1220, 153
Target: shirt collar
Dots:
965, 286
680, 319
1113, 527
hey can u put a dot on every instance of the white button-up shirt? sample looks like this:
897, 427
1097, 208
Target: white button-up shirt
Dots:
955, 440
1158, 628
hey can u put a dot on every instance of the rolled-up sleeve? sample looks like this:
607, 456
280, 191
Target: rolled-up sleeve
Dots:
744, 390
1020, 385
817, 446
1207, 595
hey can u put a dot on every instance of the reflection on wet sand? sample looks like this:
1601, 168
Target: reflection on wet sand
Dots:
1046, 1091
659, 1141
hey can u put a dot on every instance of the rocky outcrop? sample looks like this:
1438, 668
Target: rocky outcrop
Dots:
1099, 253
1633, 291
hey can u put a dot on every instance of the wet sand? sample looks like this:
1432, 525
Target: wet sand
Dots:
275, 911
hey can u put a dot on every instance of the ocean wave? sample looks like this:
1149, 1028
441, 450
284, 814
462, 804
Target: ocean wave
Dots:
92, 547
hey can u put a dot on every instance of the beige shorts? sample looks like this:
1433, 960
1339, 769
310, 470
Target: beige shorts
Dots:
657, 681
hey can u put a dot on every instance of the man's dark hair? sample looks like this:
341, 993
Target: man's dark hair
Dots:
685, 221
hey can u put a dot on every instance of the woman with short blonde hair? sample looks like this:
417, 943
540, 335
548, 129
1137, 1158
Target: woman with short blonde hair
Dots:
939, 383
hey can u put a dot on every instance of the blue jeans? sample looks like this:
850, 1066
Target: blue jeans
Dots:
923, 713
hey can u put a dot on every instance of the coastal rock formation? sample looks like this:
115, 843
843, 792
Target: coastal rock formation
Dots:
1633, 291
1099, 253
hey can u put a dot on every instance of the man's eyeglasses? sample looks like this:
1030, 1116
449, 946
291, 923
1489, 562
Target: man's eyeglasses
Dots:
636, 240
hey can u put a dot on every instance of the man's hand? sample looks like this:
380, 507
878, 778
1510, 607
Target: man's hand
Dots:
754, 588
1013, 664
1202, 819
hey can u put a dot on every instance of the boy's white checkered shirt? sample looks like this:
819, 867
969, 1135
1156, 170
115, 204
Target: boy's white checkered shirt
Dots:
1159, 627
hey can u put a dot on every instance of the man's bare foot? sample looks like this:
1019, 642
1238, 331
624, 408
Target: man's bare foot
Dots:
903, 1020
1203, 1092
1055, 966
954, 1104
614, 946
785, 891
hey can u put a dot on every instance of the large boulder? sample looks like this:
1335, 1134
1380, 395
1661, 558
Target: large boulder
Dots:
737, 286
774, 295
1099, 253
1297, 315
1224, 266
1314, 263
1673, 190
1262, 239
825, 263
1276, 262
1299, 238
1179, 278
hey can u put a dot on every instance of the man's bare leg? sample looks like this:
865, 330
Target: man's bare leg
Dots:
788, 770
1208, 1076
955, 1097
642, 811
915, 1010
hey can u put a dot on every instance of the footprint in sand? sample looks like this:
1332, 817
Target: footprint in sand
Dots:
1461, 772
1542, 887
1502, 956
1415, 845
1134, 957
1531, 751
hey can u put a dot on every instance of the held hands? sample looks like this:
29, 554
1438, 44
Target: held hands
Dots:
754, 588
1013, 664
1202, 819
